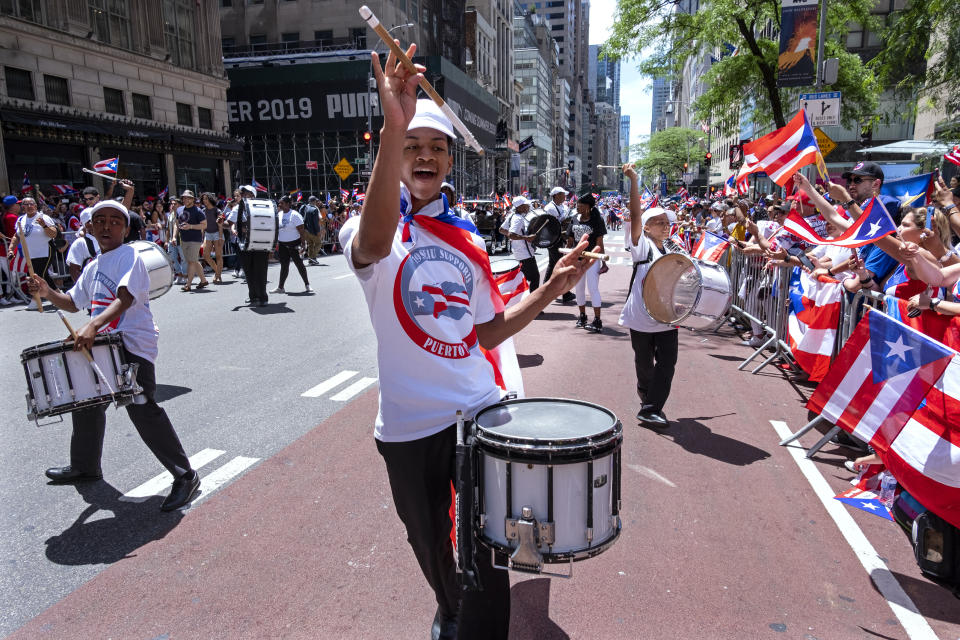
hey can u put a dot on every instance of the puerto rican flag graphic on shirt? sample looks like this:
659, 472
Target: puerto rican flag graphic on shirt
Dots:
443, 299
103, 297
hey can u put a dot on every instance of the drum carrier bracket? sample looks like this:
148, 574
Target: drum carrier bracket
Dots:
529, 535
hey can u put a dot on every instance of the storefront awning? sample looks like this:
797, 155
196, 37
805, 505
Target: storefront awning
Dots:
909, 147
209, 143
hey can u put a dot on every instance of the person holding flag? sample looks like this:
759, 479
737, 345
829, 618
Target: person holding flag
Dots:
435, 308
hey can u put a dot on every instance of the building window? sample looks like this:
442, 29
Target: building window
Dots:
254, 1
110, 21
323, 38
291, 39
227, 43
56, 90
141, 107
204, 118
359, 37
179, 25
19, 83
113, 101
226, 3
184, 114
257, 39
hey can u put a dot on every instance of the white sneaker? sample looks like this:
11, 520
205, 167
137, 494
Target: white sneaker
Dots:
4, 302
309, 289
277, 290
32, 306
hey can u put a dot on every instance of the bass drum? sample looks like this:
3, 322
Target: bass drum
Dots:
546, 228
159, 266
262, 225
688, 292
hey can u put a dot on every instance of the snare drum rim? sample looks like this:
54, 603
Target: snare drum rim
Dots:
515, 449
59, 346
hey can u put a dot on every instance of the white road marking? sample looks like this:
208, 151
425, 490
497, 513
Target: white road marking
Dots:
328, 384
353, 389
342, 277
219, 477
650, 473
158, 484
903, 607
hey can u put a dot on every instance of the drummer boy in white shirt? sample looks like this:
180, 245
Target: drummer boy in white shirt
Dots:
655, 345
115, 287
430, 294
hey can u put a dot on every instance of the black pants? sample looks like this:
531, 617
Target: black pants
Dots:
531, 272
655, 357
41, 268
291, 251
255, 268
151, 421
420, 474
554, 255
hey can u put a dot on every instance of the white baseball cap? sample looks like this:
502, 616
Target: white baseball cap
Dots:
247, 187
557, 190
108, 204
519, 201
430, 116
653, 212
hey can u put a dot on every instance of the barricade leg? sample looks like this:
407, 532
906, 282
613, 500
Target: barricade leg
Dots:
821, 442
802, 430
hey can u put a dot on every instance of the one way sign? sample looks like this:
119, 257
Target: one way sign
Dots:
822, 109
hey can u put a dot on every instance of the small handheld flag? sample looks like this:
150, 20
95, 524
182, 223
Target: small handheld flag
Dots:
107, 166
26, 183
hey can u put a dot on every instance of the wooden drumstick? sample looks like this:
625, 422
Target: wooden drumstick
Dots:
30, 271
86, 352
374, 23
602, 257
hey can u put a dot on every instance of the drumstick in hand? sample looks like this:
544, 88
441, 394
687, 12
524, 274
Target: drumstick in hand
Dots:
89, 356
602, 257
30, 271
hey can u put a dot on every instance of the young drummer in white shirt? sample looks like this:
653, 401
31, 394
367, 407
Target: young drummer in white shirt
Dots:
429, 359
115, 286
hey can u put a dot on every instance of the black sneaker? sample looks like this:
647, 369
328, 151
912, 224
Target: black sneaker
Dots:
582, 321
596, 326
567, 297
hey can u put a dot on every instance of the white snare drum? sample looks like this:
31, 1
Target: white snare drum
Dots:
159, 266
687, 292
548, 480
262, 227
61, 380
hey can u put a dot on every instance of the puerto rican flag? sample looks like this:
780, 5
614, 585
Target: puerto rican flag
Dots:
297, 194
344, 194
448, 300
259, 187
26, 183
710, 247
107, 166
18, 264
865, 501
730, 186
683, 193
942, 328
781, 153
64, 189
647, 199
360, 197
163, 194
953, 156
874, 223
815, 307
512, 285
899, 390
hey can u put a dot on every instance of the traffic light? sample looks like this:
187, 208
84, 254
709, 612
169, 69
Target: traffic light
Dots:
685, 166
367, 137
707, 157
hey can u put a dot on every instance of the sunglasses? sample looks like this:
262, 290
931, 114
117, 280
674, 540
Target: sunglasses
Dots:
858, 180
89, 198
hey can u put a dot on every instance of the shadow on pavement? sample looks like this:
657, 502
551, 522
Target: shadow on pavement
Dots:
273, 308
169, 391
128, 526
532, 360
932, 600
696, 437
530, 607
552, 315
720, 356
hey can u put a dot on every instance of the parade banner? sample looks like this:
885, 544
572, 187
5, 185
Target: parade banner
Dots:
798, 43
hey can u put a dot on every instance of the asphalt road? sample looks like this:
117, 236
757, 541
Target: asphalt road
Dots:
726, 534
231, 380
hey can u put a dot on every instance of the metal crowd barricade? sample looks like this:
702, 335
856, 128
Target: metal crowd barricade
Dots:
853, 311
761, 296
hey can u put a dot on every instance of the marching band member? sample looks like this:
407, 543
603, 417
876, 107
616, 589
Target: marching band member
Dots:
655, 345
115, 287
558, 210
254, 262
588, 221
515, 228
433, 304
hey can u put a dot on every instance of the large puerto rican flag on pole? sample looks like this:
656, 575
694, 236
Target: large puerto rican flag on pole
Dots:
874, 223
781, 153
815, 307
710, 247
107, 166
899, 390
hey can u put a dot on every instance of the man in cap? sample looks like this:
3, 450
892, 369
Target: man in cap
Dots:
515, 228
433, 304
311, 228
84, 248
254, 262
115, 286
558, 210
450, 192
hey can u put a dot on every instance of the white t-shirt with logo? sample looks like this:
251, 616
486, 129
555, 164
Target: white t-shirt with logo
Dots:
424, 300
517, 223
635, 315
558, 211
288, 222
98, 286
79, 253
38, 242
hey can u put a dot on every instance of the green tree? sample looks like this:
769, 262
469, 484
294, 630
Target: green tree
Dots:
667, 151
665, 39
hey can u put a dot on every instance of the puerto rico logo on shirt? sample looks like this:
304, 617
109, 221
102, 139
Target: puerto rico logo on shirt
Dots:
104, 295
432, 299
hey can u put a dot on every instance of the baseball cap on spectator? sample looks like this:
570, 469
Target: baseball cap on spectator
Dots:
869, 169
85, 216
108, 204
557, 190
9, 201
312, 199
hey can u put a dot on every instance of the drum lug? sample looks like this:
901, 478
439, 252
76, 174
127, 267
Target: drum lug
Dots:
529, 535
589, 534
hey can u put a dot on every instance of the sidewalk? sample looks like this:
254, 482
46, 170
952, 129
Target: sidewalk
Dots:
722, 535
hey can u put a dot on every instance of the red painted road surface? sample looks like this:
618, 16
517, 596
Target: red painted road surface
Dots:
723, 536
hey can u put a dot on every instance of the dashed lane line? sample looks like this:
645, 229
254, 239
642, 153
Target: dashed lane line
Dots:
328, 384
217, 478
353, 389
915, 625
153, 486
